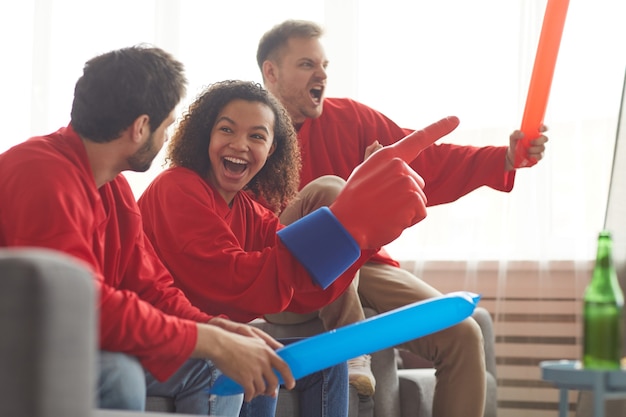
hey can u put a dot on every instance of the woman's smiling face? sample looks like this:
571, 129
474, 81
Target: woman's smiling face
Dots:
241, 141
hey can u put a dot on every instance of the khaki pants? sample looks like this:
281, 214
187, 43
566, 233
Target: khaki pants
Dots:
457, 352
346, 309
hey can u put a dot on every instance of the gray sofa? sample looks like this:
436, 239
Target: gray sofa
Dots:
47, 349
47, 335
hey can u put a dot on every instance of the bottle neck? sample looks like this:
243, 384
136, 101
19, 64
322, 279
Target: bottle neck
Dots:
604, 285
605, 246
604, 258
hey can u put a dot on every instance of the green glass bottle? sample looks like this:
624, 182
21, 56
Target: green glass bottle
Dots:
602, 316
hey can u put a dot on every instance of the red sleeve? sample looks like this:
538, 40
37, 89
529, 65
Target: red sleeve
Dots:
449, 171
452, 171
334, 144
228, 260
62, 210
142, 270
128, 324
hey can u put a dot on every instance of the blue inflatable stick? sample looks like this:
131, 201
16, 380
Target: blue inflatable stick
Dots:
371, 335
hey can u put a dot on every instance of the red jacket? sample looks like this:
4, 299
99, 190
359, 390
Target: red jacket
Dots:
228, 259
48, 198
335, 142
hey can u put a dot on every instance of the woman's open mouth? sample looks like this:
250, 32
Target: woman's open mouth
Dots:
234, 165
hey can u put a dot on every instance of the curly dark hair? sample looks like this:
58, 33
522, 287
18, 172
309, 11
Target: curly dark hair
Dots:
121, 85
278, 181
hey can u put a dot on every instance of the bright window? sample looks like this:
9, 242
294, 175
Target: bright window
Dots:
414, 61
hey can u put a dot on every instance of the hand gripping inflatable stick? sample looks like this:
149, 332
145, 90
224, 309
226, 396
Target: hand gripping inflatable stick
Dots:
541, 78
376, 333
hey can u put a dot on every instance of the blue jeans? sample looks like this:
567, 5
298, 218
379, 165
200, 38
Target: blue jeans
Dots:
124, 384
322, 394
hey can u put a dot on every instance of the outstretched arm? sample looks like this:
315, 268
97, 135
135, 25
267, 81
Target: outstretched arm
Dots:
382, 197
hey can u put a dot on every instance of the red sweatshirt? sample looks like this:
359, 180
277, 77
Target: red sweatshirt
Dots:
228, 259
48, 198
335, 142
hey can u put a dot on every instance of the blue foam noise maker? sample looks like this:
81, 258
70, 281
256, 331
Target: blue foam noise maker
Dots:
392, 328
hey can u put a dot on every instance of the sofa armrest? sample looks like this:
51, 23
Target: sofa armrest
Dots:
417, 389
48, 327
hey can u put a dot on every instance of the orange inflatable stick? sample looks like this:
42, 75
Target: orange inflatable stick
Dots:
541, 79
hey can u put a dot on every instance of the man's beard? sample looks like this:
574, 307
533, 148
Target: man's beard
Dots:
141, 160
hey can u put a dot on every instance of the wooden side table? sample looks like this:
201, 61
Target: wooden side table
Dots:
569, 374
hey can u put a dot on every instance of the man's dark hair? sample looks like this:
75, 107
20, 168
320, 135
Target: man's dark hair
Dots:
276, 38
121, 85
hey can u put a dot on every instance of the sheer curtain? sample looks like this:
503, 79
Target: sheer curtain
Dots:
414, 61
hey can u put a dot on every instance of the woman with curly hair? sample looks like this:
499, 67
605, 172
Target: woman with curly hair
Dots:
276, 176
236, 146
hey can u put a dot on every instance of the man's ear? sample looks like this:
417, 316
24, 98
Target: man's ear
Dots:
140, 127
269, 71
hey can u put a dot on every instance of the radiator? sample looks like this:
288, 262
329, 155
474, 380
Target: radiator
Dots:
536, 308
